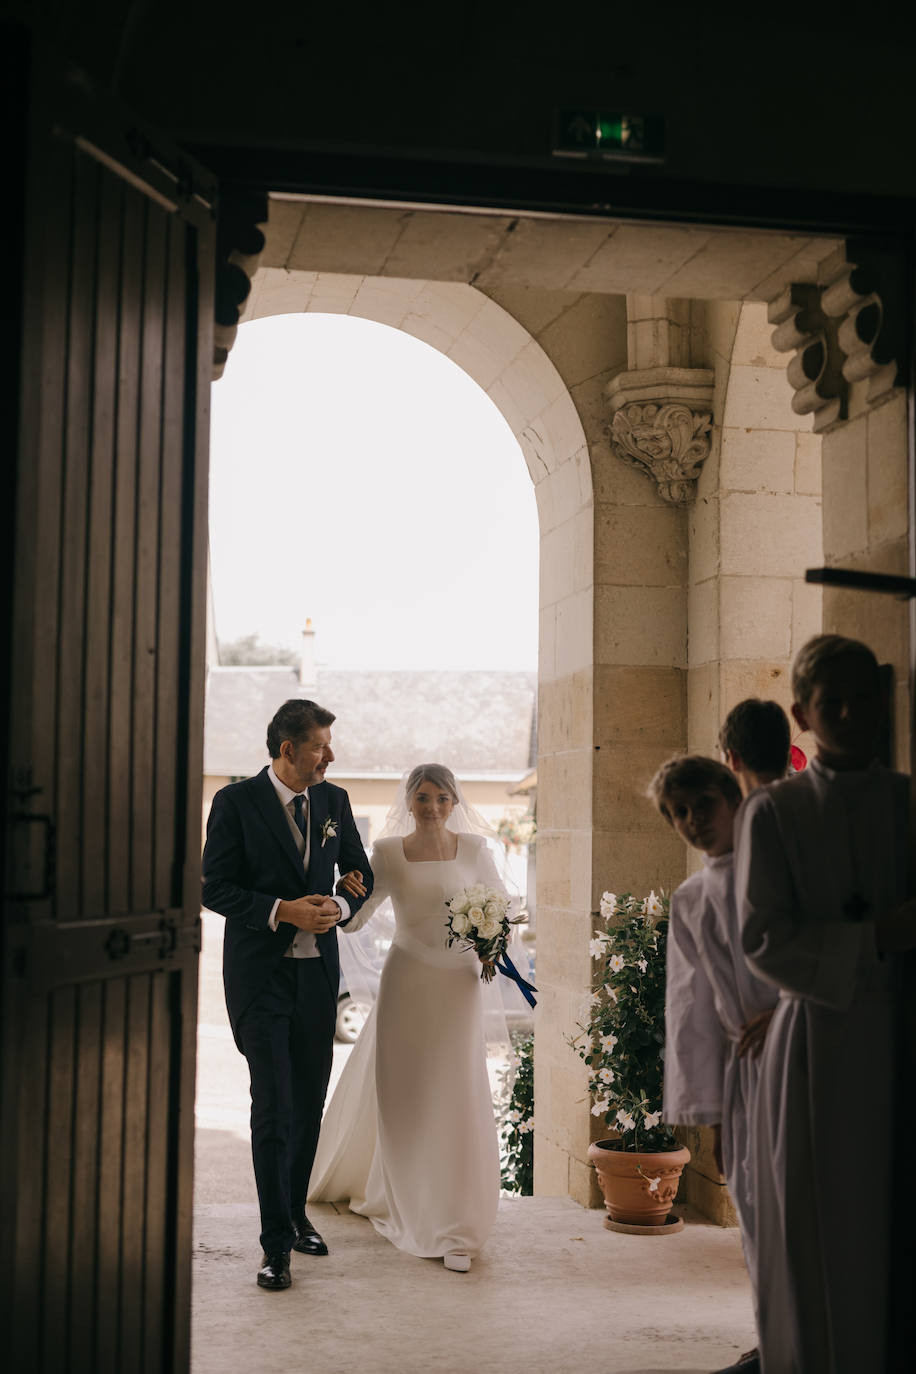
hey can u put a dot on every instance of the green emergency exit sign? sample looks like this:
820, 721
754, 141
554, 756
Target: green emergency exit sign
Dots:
609, 134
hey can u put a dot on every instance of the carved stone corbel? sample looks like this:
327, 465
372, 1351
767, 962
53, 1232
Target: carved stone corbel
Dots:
815, 373
661, 418
239, 244
866, 297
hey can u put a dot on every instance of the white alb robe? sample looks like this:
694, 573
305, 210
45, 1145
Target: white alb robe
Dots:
810, 853
710, 995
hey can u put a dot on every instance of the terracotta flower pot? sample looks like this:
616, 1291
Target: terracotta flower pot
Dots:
638, 1188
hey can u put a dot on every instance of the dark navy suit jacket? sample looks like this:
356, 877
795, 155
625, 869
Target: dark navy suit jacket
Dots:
250, 859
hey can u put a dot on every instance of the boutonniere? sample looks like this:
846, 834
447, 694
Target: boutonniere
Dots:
328, 831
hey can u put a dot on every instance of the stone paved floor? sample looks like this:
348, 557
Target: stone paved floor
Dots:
553, 1291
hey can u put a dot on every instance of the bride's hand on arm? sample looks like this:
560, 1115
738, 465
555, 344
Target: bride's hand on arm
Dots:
352, 884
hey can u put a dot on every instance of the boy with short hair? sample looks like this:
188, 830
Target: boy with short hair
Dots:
755, 739
716, 1010
820, 872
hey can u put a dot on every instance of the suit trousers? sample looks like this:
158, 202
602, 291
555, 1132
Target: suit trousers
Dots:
287, 1036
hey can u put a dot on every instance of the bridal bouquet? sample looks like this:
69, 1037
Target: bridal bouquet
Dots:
478, 919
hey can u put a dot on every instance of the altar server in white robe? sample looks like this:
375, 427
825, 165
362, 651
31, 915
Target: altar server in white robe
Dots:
716, 1011
820, 874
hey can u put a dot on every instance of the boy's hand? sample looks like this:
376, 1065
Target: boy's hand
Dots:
896, 932
753, 1034
352, 883
717, 1146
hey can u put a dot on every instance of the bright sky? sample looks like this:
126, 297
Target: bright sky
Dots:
360, 478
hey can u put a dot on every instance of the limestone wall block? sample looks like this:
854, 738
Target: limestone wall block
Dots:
755, 617
638, 258
638, 860
808, 464
565, 713
559, 494
563, 947
533, 308
452, 305
429, 332
516, 419
721, 326
562, 427
844, 456
564, 791
802, 266
742, 678
807, 613
703, 538
887, 471
770, 536
575, 619
547, 644
557, 563
703, 712
642, 626
554, 863
761, 398
387, 300
622, 773
588, 338
640, 545
445, 247
274, 291
543, 253
882, 621
758, 460
334, 293
640, 705
753, 340
583, 535
730, 264
332, 239
703, 622
489, 343
285, 224
534, 381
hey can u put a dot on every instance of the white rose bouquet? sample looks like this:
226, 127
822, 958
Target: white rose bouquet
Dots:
478, 919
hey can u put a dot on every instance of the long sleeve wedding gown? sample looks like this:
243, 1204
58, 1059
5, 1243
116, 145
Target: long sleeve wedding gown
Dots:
409, 1136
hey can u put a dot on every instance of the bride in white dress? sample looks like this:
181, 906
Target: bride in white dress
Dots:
409, 1137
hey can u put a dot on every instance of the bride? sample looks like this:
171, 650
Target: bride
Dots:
409, 1137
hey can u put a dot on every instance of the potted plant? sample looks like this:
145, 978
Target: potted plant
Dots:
516, 1134
639, 1166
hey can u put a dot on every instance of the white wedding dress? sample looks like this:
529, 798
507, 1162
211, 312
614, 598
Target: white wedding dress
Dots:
409, 1136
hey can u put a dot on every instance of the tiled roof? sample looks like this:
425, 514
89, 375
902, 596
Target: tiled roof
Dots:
479, 723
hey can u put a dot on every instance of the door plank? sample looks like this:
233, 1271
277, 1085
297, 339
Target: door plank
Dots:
56, 1229
96, 803
85, 1175
110, 1191
132, 1277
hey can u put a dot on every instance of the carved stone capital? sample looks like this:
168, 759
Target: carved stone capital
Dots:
660, 424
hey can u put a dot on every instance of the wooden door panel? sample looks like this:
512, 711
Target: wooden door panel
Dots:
101, 911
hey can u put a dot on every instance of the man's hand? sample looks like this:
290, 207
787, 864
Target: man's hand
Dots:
753, 1034
352, 883
316, 914
895, 933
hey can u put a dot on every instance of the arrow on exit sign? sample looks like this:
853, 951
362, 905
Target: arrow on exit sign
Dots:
609, 134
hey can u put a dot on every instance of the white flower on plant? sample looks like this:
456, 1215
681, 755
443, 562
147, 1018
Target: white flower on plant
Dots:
526, 1126
514, 1116
651, 1120
460, 923
625, 1121
601, 1106
616, 963
607, 904
653, 1184
476, 916
595, 999
652, 905
612, 993
641, 965
606, 1075
596, 948
607, 1043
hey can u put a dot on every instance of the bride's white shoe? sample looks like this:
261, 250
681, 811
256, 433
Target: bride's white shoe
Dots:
459, 1260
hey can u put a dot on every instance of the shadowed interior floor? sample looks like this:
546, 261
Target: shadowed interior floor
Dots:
554, 1290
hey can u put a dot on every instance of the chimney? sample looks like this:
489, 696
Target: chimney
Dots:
308, 673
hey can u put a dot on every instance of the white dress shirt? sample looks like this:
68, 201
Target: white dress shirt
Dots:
304, 945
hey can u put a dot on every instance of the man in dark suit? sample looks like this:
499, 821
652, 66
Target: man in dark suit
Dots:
272, 845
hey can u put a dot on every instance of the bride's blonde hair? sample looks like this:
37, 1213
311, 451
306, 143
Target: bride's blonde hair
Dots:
437, 774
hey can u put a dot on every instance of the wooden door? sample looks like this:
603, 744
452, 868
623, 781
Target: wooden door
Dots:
103, 740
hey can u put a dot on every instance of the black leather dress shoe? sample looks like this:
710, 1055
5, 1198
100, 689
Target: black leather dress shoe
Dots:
308, 1241
274, 1271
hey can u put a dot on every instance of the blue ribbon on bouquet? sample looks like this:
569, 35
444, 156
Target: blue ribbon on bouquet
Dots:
508, 970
